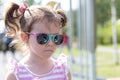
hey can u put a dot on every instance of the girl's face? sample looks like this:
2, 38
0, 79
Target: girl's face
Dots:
43, 51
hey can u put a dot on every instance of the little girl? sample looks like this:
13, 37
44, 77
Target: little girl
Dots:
39, 29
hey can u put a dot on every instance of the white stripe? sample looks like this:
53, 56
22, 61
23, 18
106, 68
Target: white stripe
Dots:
22, 70
52, 77
58, 70
25, 75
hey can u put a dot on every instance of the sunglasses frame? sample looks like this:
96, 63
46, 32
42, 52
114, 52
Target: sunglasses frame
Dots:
50, 37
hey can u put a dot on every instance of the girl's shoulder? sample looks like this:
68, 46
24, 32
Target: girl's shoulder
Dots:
62, 61
62, 58
15, 66
19, 70
12, 64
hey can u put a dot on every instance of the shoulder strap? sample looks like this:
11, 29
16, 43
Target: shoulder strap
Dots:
63, 60
12, 64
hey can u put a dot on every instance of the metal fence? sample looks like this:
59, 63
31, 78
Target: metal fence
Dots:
85, 62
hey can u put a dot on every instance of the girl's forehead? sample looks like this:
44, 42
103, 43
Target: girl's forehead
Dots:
46, 27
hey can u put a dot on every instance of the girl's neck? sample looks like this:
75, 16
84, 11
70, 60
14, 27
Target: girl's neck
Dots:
39, 66
31, 58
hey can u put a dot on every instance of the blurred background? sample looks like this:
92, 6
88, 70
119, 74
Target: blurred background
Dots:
92, 37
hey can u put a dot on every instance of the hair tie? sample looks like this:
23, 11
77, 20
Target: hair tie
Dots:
23, 7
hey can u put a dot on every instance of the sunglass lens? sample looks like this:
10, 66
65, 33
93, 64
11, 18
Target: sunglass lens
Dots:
58, 39
42, 38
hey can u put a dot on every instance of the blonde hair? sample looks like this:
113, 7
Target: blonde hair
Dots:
16, 22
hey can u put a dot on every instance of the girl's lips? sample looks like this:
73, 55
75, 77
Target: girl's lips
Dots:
49, 51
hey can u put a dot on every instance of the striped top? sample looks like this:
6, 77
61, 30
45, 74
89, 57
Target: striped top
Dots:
59, 71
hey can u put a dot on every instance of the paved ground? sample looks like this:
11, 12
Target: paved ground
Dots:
3, 63
107, 49
114, 79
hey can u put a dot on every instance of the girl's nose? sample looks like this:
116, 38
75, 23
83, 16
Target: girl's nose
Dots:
50, 42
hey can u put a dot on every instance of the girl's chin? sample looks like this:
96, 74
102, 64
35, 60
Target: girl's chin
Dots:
48, 54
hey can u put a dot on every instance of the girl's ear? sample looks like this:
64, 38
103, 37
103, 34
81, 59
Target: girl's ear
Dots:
24, 37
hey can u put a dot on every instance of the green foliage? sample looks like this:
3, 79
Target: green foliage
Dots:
104, 34
103, 11
118, 31
118, 8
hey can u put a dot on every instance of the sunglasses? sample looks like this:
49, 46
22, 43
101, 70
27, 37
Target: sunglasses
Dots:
43, 38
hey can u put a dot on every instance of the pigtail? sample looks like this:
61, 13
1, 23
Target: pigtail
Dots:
63, 17
12, 18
